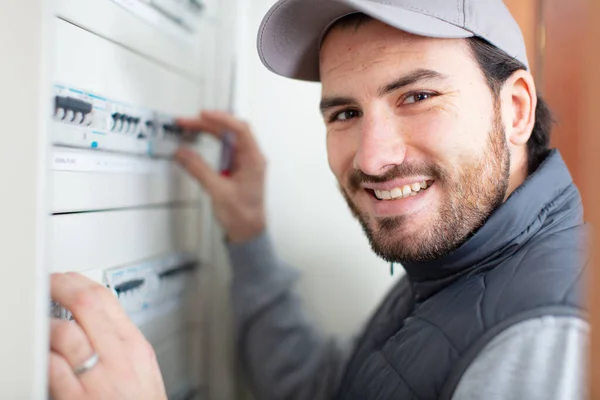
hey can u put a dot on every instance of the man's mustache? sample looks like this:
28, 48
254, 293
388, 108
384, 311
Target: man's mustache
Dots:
357, 178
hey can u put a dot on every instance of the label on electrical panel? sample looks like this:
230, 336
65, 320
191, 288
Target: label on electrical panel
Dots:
63, 160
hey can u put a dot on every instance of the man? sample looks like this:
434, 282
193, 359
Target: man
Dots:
440, 147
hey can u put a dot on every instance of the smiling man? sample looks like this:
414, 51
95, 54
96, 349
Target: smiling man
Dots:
440, 146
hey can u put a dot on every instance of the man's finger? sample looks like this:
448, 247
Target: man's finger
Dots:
200, 124
68, 340
200, 170
63, 383
114, 310
217, 122
82, 297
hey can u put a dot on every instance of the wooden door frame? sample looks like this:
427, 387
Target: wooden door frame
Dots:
591, 168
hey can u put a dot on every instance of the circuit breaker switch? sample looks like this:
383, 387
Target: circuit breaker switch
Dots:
116, 121
88, 120
78, 118
78, 106
69, 116
59, 113
128, 286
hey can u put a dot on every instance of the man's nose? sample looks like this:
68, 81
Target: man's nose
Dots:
381, 146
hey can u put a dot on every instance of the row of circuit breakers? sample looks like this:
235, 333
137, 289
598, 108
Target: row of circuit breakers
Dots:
87, 120
146, 290
90, 121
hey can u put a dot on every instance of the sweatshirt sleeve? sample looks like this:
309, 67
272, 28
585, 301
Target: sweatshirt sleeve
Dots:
283, 354
538, 359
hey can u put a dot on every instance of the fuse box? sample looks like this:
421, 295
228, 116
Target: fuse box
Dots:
95, 89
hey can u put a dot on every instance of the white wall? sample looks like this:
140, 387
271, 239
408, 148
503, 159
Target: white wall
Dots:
308, 218
24, 36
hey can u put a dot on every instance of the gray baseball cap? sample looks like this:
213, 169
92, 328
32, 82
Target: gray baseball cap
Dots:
291, 33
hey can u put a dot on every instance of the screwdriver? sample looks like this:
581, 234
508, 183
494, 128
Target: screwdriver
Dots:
228, 137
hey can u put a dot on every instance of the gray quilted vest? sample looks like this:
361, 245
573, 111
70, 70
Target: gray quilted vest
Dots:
527, 261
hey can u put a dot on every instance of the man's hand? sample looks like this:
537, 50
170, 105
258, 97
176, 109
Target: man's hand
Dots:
238, 200
126, 369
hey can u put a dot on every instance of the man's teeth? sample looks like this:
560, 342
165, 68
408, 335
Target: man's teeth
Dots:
401, 192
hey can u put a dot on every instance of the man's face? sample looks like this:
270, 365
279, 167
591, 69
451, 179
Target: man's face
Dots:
414, 137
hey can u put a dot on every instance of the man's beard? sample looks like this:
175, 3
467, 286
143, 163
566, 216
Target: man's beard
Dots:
469, 195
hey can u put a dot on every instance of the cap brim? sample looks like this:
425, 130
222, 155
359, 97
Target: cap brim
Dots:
290, 34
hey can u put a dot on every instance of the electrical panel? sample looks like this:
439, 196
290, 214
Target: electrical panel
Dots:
122, 212
95, 87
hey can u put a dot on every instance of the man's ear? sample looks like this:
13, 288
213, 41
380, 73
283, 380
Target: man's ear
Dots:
519, 101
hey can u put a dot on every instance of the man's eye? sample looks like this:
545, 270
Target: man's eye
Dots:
417, 97
344, 115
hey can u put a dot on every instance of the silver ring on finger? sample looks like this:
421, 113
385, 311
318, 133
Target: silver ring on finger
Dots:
87, 365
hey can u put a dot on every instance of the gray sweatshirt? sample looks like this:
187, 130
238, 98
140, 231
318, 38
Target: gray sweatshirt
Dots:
286, 357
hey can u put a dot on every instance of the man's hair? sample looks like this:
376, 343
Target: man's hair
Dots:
497, 67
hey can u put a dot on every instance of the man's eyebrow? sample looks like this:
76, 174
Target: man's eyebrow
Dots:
331, 102
412, 78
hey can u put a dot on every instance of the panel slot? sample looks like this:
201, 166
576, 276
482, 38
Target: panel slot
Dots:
92, 64
137, 31
97, 241
84, 180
